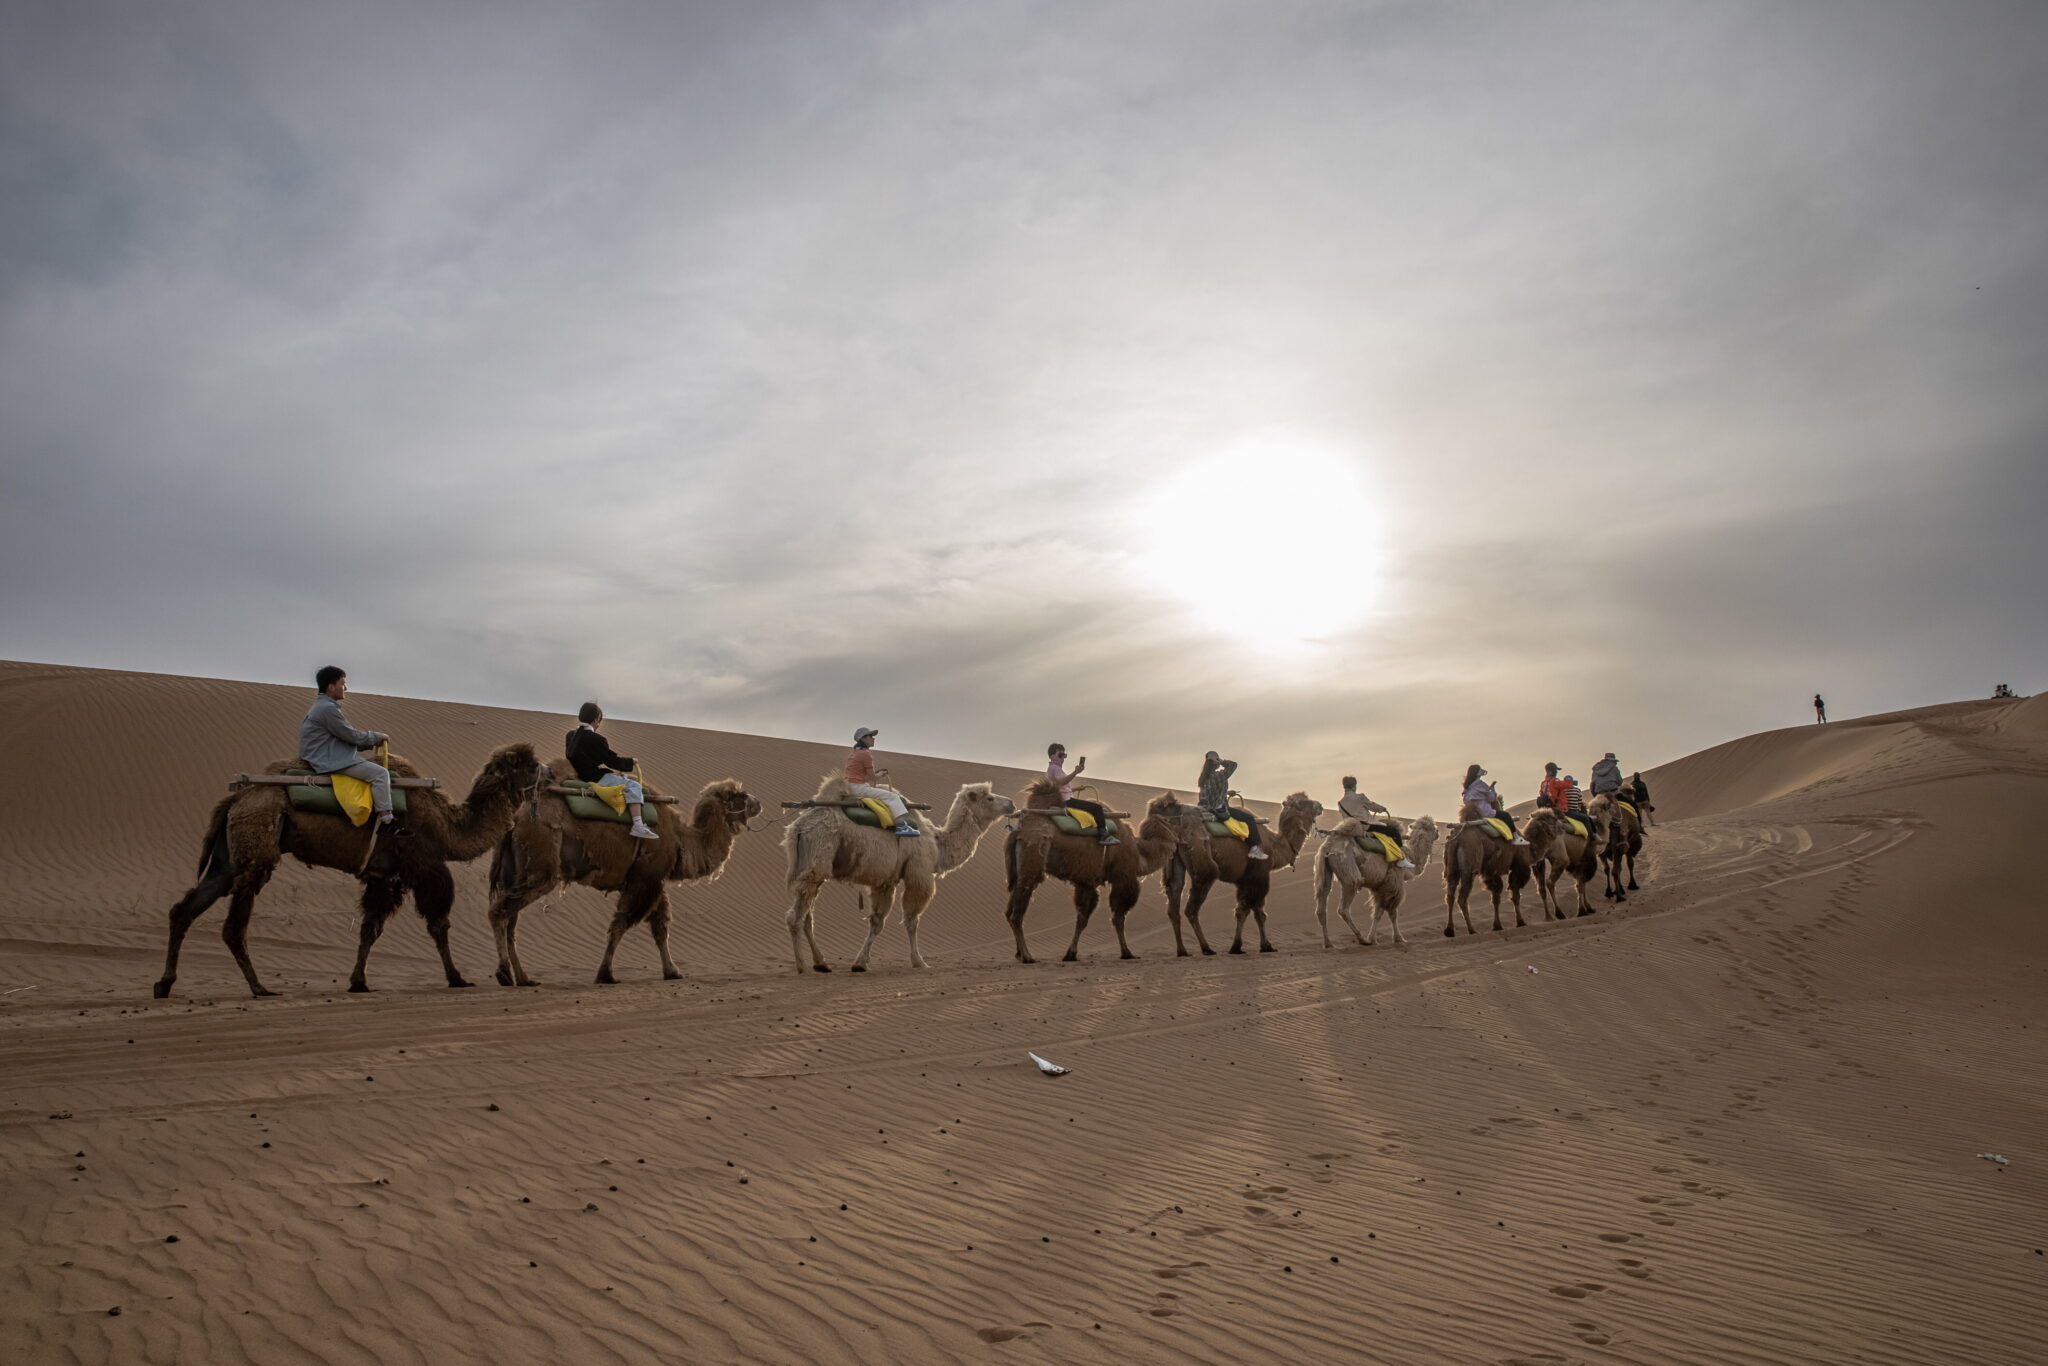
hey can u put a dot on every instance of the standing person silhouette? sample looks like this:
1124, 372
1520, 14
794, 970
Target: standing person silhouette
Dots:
1820, 710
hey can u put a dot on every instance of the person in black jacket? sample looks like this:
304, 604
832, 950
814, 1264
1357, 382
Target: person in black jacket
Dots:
590, 754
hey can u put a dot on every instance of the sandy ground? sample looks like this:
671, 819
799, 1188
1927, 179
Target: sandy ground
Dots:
1736, 1120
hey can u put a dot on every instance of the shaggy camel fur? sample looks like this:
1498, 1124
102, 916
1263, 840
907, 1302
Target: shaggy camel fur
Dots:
1212, 859
549, 846
825, 845
1470, 851
1341, 861
1036, 850
1555, 852
251, 831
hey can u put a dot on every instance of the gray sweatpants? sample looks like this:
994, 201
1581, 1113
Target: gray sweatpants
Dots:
379, 779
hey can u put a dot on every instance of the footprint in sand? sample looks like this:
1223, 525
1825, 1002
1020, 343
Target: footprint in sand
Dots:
1619, 1237
1631, 1266
1175, 1272
1205, 1230
1663, 1220
1327, 1157
1578, 1291
1000, 1334
1535, 1359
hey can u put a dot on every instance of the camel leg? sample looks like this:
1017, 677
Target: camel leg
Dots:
1123, 895
1393, 908
381, 896
915, 899
1085, 898
1515, 895
1323, 877
433, 896
506, 903
1494, 886
1020, 902
657, 926
882, 899
1344, 910
195, 903
1258, 912
1632, 872
636, 899
1175, 877
804, 895
1198, 892
235, 933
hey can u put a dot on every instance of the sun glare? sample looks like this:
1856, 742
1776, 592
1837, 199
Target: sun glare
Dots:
1270, 540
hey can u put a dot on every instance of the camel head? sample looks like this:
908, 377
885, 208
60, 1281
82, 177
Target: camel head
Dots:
736, 806
982, 806
514, 769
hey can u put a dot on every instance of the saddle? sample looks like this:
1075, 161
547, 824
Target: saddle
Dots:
584, 805
1495, 826
1380, 843
1233, 829
1074, 821
1582, 826
322, 801
870, 813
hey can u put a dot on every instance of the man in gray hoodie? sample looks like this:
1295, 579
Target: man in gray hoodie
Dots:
329, 744
1607, 775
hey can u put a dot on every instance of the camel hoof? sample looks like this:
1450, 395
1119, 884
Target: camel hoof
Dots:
1027, 958
459, 982
605, 979
671, 977
1450, 933
821, 967
1267, 948
1071, 958
352, 986
260, 992
1208, 952
1633, 888
1128, 955
858, 967
161, 990
1586, 911
1237, 948
504, 977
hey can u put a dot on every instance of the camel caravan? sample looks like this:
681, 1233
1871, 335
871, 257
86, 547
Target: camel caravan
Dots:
592, 818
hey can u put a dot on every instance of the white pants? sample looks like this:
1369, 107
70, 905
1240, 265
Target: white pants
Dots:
633, 793
885, 797
379, 779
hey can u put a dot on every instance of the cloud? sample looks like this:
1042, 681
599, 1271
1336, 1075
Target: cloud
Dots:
778, 368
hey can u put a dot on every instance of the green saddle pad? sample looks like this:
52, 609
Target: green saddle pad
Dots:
591, 808
321, 801
860, 815
1067, 825
1221, 831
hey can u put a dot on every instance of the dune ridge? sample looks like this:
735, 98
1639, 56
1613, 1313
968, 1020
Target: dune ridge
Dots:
1737, 1120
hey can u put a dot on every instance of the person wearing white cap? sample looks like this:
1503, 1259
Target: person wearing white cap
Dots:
860, 780
1482, 797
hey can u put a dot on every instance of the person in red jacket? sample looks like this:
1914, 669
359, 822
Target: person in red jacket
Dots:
1550, 792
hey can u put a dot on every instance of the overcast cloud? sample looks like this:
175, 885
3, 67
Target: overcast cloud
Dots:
781, 368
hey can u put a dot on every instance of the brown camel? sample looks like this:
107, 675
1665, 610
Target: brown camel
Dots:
1225, 858
1037, 850
252, 830
1343, 861
1472, 851
549, 846
1555, 852
1624, 842
825, 845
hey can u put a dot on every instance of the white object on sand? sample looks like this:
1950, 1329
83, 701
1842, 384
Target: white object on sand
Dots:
1051, 1069
1994, 1157
1532, 967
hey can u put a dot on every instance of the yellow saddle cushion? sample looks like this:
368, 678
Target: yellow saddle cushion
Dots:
1385, 842
881, 812
1578, 827
1629, 807
614, 797
1498, 826
354, 796
1084, 819
1238, 828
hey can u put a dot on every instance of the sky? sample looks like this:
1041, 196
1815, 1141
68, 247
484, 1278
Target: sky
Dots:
1347, 387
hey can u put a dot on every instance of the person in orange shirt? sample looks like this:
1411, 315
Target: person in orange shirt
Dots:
860, 780
1550, 792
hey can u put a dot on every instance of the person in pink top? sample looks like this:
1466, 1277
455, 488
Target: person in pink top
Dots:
1056, 774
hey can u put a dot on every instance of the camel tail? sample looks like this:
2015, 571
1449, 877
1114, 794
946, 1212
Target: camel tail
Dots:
213, 849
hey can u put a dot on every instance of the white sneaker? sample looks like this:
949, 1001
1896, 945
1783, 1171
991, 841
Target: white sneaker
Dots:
1258, 853
641, 832
1520, 840
1406, 863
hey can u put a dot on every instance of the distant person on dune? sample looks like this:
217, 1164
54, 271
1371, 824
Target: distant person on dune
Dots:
329, 744
1484, 798
590, 754
1820, 710
1363, 809
1056, 774
860, 780
1213, 796
1607, 775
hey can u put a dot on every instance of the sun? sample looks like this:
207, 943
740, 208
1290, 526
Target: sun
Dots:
1272, 539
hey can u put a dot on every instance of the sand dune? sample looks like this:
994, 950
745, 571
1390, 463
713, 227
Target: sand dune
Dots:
1736, 1121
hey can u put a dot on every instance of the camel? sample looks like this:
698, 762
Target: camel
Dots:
549, 846
1036, 850
1225, 858
1471, 851
1623, 844
1554, 851
1341, 860
825, 845
252, 830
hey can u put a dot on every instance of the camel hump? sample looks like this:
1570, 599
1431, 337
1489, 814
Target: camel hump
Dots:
1350, 825
833, 788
